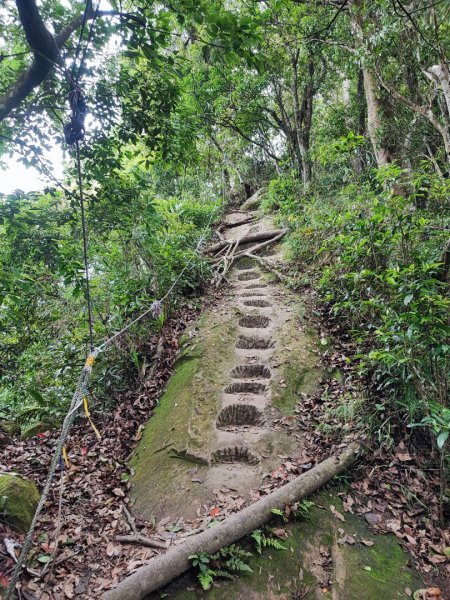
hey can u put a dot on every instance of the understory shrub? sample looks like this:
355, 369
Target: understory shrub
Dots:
376, 258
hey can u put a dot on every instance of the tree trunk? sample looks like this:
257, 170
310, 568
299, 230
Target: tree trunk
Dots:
440, 74
361, 156
307, 113
303, 118
162, 569
382, 154
374, 119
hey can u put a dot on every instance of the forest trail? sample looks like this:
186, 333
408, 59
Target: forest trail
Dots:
222, 422
225, 422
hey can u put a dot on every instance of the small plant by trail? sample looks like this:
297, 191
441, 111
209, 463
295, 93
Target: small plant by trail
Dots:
232, 561
262, 540
227, 563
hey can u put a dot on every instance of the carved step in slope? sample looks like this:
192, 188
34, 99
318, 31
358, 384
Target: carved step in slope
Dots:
245, 387
254, 321
246, 265
251, 294
257, 302
240, 414
238, 454
248, 276
251, 372
254, 343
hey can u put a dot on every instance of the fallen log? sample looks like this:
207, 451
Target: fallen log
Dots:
260, 236
165, 567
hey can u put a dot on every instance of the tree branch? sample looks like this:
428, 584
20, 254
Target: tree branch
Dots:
238, 130
46, 49
424, 111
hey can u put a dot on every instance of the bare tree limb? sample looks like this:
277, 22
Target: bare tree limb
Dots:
425, 111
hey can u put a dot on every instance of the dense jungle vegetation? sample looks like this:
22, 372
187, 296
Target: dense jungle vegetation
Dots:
340, 108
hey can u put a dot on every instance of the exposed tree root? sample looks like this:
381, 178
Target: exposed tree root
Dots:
266, 264
223, 263
247, 239
164, 568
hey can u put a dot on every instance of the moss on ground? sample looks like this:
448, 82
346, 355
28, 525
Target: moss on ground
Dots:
301, 372
357, 572
179, 435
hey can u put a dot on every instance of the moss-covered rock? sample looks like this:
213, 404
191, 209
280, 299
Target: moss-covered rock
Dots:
18, 500
9, 427
254, 201
178, 438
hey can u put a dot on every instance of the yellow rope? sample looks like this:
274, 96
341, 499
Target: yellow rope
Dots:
88, 415
65, 457
90, 360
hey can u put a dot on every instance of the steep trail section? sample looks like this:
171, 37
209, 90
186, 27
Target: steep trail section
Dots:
240, 372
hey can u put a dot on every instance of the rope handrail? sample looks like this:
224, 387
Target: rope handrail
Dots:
76, 402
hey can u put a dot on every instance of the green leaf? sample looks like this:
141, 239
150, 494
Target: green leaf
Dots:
408, 299
442, 438
44, 558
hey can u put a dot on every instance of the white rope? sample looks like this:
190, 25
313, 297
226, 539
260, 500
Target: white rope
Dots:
156, 306
76, 402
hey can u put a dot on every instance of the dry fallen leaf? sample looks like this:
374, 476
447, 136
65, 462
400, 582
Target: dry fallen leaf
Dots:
347, 539
279, 532
337, 514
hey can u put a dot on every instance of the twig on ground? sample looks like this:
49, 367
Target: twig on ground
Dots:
142, 540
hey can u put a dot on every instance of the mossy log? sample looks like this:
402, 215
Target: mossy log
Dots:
173, 563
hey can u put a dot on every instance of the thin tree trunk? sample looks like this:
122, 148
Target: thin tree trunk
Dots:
361, 157
374, 118
382, 154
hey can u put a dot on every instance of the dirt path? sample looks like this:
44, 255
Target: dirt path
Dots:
228, 418
243, 364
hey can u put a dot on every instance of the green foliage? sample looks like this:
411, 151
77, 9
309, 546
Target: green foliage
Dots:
140, 245
265, 541
439, 422
303, 510
375, 256
227, 562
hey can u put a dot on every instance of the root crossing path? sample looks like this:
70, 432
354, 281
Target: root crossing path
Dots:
221, 423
